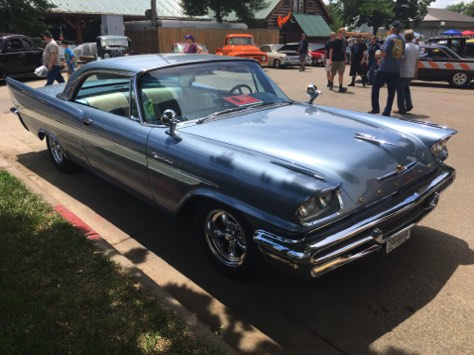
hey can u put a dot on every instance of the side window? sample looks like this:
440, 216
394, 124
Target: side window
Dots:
265, 48
436, 53
14, 45
26, 43
106, 92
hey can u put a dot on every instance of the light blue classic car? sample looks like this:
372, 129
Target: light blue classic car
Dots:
213, 139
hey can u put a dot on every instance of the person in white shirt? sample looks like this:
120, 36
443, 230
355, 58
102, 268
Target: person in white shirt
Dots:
408, 71
51, 59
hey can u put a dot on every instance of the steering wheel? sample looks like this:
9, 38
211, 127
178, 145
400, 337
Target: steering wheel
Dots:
239, 88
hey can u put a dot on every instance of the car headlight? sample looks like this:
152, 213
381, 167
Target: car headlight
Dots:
439, 150
323, 204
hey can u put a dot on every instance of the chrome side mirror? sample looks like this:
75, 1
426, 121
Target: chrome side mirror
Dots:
168, 118
312, 92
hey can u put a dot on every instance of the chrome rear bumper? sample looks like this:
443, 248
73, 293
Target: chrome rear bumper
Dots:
358, 240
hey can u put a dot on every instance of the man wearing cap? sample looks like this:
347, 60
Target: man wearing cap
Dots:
51, 59
191, 46
389, 69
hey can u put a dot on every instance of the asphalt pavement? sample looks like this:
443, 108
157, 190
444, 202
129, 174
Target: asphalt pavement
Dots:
415, 300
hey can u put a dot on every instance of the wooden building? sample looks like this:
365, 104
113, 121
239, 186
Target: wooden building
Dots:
82, 21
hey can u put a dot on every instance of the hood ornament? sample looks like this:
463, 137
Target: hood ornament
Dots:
400, 169
312, 92
372, 139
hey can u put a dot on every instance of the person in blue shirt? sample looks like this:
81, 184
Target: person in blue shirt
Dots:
303, 50
372, 64
69, 57
389, 70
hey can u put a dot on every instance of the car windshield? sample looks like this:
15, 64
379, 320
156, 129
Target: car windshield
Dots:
242, 41
196, 91
316, 46
114, 41
289, 47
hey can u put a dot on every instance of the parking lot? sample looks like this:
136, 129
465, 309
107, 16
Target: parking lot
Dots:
415, 300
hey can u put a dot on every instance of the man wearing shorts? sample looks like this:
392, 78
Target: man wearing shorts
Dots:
337, 59
303, 47
327, 48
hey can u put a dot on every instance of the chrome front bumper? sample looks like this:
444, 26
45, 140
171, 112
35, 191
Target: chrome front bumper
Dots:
358, 240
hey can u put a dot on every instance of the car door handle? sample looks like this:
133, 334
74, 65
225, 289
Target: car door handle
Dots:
86, 121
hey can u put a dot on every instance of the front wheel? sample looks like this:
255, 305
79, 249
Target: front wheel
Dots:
229, 243
276, 64
56, 152
459, 80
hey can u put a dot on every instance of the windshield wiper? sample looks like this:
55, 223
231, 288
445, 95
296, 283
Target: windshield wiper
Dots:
239, 108
218, 113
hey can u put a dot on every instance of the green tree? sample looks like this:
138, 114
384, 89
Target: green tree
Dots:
411, 12
463, 8
23, 16
378, 13
219, 9
335, 13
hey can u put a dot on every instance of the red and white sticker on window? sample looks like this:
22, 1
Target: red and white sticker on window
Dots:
242, 100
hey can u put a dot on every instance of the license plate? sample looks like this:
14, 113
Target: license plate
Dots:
397, 239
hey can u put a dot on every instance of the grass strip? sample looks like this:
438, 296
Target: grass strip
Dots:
59, 294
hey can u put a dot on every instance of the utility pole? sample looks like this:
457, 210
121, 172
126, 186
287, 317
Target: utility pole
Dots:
153, 13
154, 26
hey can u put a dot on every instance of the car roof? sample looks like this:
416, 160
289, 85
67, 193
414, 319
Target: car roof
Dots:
6, 35
143, 62
423, 45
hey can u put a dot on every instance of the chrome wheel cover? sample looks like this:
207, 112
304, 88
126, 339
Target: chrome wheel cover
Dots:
56, 150
225, 238
460, 79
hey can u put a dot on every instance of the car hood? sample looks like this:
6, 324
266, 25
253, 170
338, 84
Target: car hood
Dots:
366, 160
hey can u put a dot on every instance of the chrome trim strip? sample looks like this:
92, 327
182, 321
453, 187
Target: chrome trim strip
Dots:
334, 264
342, 250
115, 148
399, 171
371, 139
177, 174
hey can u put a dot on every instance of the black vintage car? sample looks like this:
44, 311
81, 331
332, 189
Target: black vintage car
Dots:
439, 63
19, 56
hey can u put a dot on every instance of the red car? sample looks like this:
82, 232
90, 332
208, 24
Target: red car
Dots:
317, 52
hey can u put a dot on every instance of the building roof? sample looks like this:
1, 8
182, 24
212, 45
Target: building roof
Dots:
446, 15
165, 8
313, 25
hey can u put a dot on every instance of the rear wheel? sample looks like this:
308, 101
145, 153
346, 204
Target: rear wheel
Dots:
56, 152
459, 80
228, 241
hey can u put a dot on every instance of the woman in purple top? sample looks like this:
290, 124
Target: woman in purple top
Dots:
190, 46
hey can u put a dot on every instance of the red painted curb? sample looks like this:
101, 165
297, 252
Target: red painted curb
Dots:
77, 222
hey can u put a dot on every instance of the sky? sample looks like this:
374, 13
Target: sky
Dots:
442, 4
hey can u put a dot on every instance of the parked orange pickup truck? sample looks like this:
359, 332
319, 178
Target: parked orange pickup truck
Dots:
242, 45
